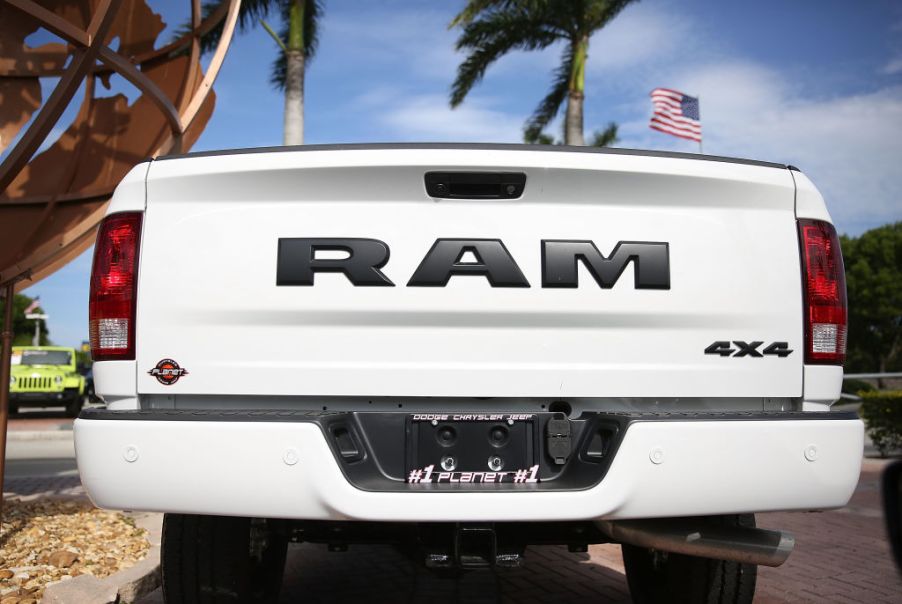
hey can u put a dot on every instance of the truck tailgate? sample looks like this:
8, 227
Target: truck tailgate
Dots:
209, 300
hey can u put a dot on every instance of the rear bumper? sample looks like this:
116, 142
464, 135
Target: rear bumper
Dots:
287, 469
42, 398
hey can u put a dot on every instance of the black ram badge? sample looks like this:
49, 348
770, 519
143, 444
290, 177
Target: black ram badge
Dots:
560, 260
445, 259
297, 262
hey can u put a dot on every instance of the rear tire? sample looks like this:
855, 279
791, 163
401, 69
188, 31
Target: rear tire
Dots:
73, 407
209, 559
655, 576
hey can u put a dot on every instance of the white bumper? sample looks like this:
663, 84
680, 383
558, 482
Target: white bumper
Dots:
246, 469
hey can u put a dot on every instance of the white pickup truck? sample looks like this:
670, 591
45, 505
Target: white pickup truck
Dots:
469, 349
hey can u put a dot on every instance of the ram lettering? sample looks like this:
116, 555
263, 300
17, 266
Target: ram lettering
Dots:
298, 262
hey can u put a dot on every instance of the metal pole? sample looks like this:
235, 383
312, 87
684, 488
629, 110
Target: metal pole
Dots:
698, 100
36, 340
6, 344
892, 374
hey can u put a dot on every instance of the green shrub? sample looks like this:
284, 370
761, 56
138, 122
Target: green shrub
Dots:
856, 386
882, 415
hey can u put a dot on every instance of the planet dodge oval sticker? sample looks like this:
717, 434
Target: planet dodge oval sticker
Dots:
168, 372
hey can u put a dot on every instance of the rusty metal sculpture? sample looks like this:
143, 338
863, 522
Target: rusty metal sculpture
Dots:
52, 199
50, 205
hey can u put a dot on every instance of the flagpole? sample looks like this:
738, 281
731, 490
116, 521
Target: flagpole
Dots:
698, 99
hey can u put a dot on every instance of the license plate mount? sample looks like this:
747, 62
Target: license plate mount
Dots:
472, 448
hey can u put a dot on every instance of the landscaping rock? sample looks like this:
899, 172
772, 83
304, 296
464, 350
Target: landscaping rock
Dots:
84, 589
62, 559
68, 541
128, 585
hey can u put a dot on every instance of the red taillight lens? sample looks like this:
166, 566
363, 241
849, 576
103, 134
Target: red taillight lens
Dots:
114, 284
824, 280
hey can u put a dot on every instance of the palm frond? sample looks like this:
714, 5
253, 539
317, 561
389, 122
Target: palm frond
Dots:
279, 65
606, 137
551, 104
540, 138
272, 34
533, 26
313, 10
489, 38
311, 27
211, 38
251, 11
599, 13
249, 14
474, 7
571, 15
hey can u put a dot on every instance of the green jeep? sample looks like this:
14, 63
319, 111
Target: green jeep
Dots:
45, 376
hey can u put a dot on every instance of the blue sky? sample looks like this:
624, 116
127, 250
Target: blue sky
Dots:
814, 83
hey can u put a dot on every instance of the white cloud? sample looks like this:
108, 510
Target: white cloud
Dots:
640, 34
428, 118
409, 42
417, 42
894, 66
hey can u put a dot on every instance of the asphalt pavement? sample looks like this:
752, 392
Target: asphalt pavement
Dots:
39, 444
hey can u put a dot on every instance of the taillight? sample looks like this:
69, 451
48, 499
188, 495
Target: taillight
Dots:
824, 280
114, 284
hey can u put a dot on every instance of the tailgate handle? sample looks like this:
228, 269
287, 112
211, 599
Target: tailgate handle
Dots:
475, 185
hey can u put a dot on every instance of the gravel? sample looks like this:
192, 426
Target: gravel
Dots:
51, 540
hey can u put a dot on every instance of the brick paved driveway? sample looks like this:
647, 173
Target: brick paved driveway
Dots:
40, 419
840, 556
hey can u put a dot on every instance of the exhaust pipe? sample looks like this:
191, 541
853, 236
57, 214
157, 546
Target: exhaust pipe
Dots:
695, 537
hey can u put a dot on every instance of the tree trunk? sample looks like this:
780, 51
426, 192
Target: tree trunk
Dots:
294, 98
573, 125
573, 130
293, 122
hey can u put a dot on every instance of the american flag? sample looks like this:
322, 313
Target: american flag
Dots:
33, 306
676, 113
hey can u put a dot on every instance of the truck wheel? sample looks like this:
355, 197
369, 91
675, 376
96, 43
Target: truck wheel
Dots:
73, 406
212, 559
655, 576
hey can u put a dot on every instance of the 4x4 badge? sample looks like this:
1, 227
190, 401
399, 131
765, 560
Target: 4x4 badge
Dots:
748, 349
168, 372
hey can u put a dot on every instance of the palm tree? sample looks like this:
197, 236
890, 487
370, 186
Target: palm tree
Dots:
297, 39
492, 28
601, 138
